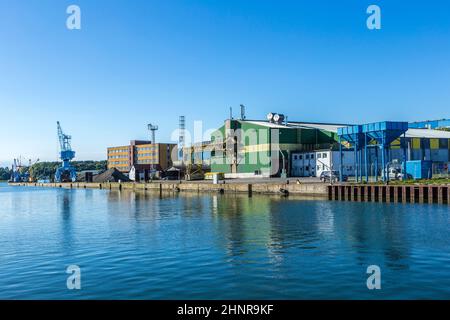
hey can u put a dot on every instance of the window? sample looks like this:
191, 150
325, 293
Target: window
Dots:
312, 156
307, 156
319, 155
300, 157
295, 157
324, 155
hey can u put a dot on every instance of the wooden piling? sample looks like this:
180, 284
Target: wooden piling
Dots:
430, 194
396, 191
448, 194
404, 194
440, 195
421, 195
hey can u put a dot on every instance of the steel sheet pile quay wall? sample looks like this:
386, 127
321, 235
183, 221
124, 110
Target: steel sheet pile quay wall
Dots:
418, 193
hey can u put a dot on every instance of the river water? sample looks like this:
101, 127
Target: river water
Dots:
204, 246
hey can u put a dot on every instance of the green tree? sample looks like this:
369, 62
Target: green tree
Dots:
46, 170
5, 174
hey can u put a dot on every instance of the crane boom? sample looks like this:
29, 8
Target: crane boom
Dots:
64, 139
66, 155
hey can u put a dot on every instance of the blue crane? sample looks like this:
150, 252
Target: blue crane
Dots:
66, 155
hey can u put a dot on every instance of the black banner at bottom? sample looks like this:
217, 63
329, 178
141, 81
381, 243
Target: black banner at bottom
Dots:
233, 309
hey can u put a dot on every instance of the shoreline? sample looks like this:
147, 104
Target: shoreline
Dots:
306, 189
405, 193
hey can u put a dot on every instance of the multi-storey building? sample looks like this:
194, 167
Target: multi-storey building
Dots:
144, 156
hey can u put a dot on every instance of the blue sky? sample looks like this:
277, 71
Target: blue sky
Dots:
135, 62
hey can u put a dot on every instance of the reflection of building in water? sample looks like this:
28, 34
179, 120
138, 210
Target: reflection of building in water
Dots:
65, 200
134, 203
244, 221
365, 231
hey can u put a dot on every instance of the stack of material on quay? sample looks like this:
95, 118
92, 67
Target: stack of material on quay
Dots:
111, 175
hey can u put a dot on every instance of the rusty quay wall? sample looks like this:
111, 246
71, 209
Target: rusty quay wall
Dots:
428, 193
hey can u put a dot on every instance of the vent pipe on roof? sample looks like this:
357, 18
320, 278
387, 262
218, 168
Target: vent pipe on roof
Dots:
242, 112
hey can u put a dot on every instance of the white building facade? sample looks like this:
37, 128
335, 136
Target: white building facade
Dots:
313, 163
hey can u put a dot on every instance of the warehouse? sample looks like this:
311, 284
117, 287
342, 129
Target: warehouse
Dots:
277, 147
431, 124
256, 148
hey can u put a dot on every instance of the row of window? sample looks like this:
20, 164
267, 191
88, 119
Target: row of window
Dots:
147, 148
148, 154
323, 168
118, 157
118, 162
117, 150
311, 156
147, 161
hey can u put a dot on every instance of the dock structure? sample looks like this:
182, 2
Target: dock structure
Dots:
418, 193
281, 188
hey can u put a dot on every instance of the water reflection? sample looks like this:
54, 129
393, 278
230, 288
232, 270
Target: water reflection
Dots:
194, 245
278, 225
65, 201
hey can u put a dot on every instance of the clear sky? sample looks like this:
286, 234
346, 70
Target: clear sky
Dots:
140, 61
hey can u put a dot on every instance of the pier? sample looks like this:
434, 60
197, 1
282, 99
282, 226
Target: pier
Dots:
417, 193
306, 189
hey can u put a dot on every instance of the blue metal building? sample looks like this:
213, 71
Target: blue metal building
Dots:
380, 136
430, 124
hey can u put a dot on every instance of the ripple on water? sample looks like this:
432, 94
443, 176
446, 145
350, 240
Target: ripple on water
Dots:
138, 246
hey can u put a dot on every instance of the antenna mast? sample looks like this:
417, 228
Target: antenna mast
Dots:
153, 129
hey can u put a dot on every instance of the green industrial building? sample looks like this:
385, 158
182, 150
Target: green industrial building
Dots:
276, 147
246, 148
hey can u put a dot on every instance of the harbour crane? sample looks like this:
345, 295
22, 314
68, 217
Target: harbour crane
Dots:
21, 172
66, 172
15, 171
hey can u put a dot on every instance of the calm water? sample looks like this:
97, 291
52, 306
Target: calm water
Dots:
140, 246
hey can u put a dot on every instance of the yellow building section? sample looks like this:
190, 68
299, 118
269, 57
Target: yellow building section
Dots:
118, 149
265, 147
118, 152
144, 156
434, 143
395, 144
257, 148
416, 143
346, 144
120, 167
147, 148
114, 164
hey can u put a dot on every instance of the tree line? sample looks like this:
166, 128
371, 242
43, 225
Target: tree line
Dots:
46, 170
5, 173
